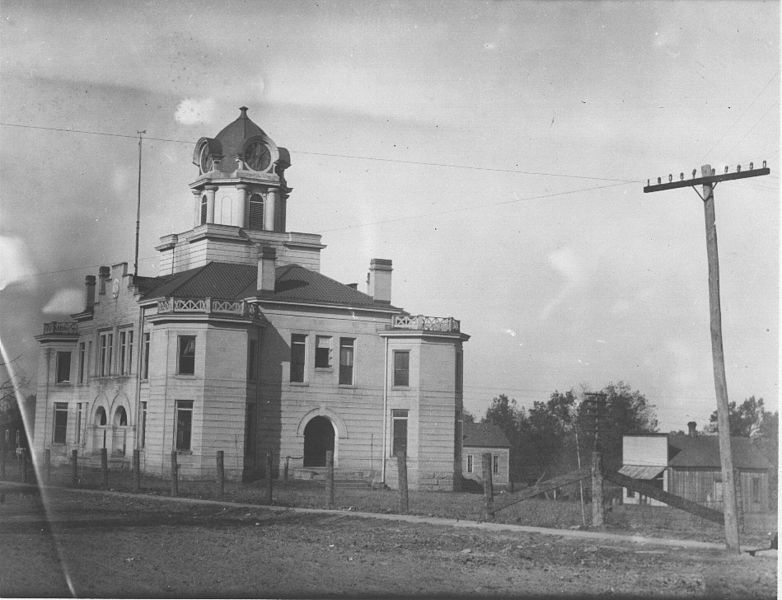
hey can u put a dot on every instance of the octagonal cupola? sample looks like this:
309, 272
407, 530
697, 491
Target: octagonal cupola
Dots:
241, 178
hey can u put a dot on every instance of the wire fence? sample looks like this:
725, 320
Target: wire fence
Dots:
567, 511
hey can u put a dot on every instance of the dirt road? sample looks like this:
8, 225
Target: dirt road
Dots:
109, 546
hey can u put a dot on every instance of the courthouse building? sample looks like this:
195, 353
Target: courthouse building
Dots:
241, 345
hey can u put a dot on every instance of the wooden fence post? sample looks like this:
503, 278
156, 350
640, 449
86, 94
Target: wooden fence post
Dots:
739, 500
329, 479
21, 460
220, 474
74, 468
401, 461
2, 462
174, 474
269, 483
598, 511
47, 463
104, 467
285, 471
136, 470
488, 487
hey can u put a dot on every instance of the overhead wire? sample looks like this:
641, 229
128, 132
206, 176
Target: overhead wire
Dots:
615, 182
332, 155
729, 129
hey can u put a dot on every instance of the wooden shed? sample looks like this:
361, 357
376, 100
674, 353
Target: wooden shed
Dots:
694, 471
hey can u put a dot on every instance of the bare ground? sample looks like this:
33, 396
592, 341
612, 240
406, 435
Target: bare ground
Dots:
115, 546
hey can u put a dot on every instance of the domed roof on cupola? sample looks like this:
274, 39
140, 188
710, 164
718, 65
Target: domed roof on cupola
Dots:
241, 145
233, 136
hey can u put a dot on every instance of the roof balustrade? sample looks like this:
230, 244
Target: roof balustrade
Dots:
425, 323
61, 328
239, 308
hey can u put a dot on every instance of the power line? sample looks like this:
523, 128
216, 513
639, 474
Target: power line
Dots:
751, 104
751, 129
466, 208
330, 155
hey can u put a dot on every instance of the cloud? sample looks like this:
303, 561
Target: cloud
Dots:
14, 262
192, 111
66, 301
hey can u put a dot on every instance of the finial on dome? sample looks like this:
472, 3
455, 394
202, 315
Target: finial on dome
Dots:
244, 111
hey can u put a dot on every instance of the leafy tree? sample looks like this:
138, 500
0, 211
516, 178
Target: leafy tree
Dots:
11, 411
554, 437
749, 419
504, 413
628, 412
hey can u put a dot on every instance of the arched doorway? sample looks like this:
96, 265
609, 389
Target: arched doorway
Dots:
318, 439
120, 429
99, 439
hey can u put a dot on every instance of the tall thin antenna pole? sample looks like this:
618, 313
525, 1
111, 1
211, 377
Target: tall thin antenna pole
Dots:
138, 205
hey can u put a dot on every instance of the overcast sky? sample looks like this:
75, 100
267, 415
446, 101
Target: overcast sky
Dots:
495, 151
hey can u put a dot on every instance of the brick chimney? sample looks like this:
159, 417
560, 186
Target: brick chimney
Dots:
379, 280
267, 257
104, 274
89, 293
691, 427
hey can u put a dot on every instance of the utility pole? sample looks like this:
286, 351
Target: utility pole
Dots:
138, 205
709, 180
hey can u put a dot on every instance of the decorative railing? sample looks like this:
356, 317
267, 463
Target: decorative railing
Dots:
424, 323
61, 328
238, 308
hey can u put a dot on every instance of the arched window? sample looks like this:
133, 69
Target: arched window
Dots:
121, 417
203, 209
256, 212
100, 416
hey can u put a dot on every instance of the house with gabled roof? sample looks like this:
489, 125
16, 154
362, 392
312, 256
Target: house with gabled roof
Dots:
688, 465
239, 344
480, 439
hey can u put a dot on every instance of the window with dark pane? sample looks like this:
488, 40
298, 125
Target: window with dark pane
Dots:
402, 368
187, 355
399, 431
60, 422
256, 212
298, 356
63, 367
322, 352
346, 348
184, 424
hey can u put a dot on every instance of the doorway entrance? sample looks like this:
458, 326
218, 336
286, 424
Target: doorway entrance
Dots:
318, 439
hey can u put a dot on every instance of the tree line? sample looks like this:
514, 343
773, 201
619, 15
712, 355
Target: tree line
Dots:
557, 436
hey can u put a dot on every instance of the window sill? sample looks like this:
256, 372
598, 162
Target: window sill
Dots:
400, 388
347, 385
299, 383
62, 383
184, 376
324, 369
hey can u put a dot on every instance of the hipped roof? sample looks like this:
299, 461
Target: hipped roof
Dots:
228, 281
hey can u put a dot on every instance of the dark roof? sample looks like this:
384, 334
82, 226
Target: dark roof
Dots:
215, 280
704, 451
230, 281
233, 136
483, 435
